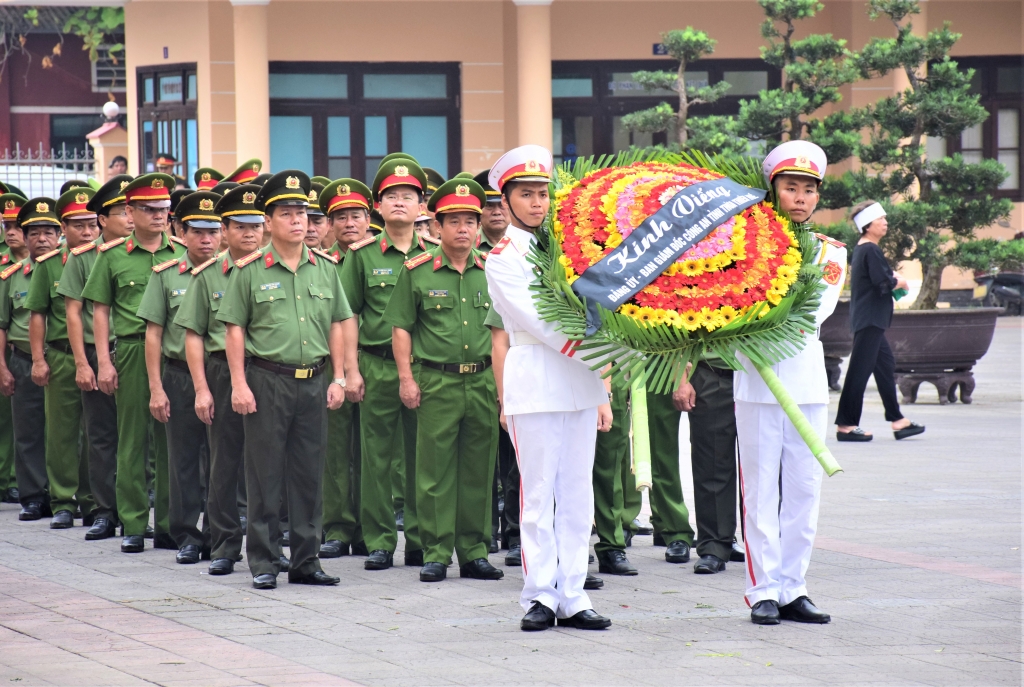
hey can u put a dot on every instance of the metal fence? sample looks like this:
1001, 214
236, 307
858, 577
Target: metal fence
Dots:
40, 172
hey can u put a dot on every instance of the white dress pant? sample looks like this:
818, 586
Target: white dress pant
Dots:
556, 463
778, 540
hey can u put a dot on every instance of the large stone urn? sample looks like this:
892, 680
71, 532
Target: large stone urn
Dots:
940, 347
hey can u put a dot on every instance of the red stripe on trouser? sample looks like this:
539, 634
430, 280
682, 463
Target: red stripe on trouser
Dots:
515, 445
566, 346
746, 545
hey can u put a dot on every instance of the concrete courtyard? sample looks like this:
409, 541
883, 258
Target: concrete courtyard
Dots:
918, 560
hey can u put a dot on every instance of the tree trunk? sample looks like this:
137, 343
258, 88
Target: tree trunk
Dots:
930, 284
684, 105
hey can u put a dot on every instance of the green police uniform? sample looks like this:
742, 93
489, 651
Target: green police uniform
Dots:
118, 280
369, 276
287, 316
67, 459
186, 433
11, 203
198, 312
669, 515
612, 451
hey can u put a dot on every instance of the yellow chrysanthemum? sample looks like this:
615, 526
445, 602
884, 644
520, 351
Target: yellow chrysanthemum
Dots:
773, 296
628, 309
691, 320
645, 314
658, 317
691, 268
614, 239
787, 273
727, 313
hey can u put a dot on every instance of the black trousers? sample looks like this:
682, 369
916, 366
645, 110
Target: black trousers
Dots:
713, 461
186, 454
227, 465
29, 415
100, 413
871, 355
508, 473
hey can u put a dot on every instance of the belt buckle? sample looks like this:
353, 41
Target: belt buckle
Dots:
303, 373
467, 368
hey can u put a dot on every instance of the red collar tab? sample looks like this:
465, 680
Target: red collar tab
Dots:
226, 265
422, 245
336, 255
478, 261
268, 259
28, 267
130, 245
437, 263
182, 266
383, 243
311, 257
64, 259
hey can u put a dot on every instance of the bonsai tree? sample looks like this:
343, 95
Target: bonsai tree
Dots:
937, 205
712, 133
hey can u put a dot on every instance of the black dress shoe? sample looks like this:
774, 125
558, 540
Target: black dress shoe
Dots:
627, 535
318, 578
187, 555
765, 612
641, 529
586, 620
333, 548
614, 562
856, 434
433, 572
33, 510
62, 520
539, 617
593, 582
414, 557
738, 553
803, 610
480, 569
514, 557
658, 540
88, 520
133, 543
359, 549
379, 560
222, 566
11, 496
284, 564
709, 565
493, 548
102, 528
913, 429
163, 540
264, 581
400, 520
678, 551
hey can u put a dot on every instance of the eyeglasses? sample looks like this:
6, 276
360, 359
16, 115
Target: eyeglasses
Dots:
152, 211
404, 197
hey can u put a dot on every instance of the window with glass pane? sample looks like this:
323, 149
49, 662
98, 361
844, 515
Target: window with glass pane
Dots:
170, 88
572, 87
339, 147
148, 151
320, 86
622, 85
1008, 146
745, 83
1009, 80
291, 143
192, 141
971, 144
147, 89
375, 133
572, 137
405, 86
191, 87
426, 139
623, 138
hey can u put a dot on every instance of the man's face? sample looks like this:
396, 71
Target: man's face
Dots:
400, 204
242, 237
165, 169
40, 239
201, 243
349, 225
9, 224
494, 218
316, 229
118, 167
149, 217
80, 231
15, 236
458, 230
797, 196
116, 223
529, 201
287, 223
422, 227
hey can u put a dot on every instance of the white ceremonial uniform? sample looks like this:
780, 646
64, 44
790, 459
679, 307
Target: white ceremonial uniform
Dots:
550, 401
779, 540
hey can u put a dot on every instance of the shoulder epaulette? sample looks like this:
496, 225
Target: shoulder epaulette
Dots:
431, 239
84, 248
47, 256
200, 268
420, 259
10, 270
829, 239
164, 265
110, 244
177, 240
242, 262
365, 242
324, 254
500, 246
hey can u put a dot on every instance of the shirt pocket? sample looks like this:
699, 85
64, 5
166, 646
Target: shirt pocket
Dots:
438, 314
321, 300
130, 288
19, 299
270, 306
381, 282
216, 298
175, 297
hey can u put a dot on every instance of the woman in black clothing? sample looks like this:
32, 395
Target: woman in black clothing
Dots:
871, 303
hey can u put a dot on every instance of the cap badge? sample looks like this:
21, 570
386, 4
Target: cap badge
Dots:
249, 198
255, 167
532, 166
344, 190
401, 171
291, 182
9, 205
462, 190
206, 204
802, 162
312, 195
123, 184
205, 176
42, 207
81, 198
157, 183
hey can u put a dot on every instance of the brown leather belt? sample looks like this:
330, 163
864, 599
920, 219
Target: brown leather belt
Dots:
293, 371
458, 368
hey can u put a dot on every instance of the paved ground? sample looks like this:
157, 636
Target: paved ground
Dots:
918, 560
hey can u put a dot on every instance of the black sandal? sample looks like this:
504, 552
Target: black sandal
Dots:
913, 429
855, 434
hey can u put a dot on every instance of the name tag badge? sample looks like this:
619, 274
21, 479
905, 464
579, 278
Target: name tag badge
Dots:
271, 286
379, 271
177, 292
217, 295
443, 293
18, 295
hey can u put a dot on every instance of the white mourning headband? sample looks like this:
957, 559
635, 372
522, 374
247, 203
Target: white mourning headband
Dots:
868, 215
